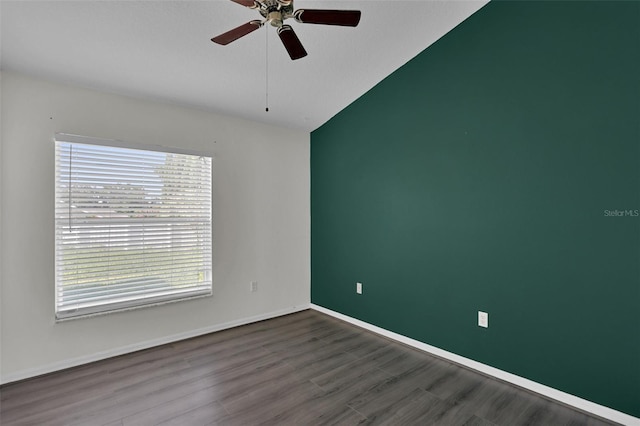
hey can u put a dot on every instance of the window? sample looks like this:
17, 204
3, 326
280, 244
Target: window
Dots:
133, 226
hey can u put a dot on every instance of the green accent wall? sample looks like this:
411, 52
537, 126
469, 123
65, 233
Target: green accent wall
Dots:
477, 177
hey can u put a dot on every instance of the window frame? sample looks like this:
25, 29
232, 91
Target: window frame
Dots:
142, 301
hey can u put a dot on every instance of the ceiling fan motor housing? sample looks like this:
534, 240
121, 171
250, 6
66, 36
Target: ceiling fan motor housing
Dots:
275, 18
276, 11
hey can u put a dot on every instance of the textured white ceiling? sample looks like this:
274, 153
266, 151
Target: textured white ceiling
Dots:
161, 50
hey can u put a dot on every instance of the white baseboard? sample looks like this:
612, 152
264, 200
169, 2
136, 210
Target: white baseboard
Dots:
549, 392
74, 362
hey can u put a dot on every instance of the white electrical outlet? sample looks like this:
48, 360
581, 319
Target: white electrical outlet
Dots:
483, 319
359, 288
254, 286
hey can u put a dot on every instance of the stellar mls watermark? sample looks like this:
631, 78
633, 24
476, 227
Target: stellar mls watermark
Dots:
622, 213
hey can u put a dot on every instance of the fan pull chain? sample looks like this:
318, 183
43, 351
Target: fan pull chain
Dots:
266, 67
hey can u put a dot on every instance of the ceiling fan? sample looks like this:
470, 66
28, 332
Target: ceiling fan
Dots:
276, 12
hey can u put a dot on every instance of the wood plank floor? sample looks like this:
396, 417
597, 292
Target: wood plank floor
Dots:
301, 369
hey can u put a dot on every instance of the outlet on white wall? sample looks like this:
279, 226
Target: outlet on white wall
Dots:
483, 319
359, 288
254, 286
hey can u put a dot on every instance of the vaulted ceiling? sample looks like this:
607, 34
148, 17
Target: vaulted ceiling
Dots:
161, 50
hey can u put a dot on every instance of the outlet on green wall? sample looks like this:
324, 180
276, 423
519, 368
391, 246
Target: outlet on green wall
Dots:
478, 177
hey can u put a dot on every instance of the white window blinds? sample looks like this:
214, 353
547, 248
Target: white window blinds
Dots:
133, 227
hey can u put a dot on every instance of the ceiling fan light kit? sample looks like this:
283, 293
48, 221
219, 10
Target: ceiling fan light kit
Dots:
275, 12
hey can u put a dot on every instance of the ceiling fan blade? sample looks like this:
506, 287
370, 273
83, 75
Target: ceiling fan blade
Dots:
246, 3
237, 32
347, 18
291, 42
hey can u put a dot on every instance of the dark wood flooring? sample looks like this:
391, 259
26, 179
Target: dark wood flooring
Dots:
301, 369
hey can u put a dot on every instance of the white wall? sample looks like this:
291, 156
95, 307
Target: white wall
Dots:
261, 222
